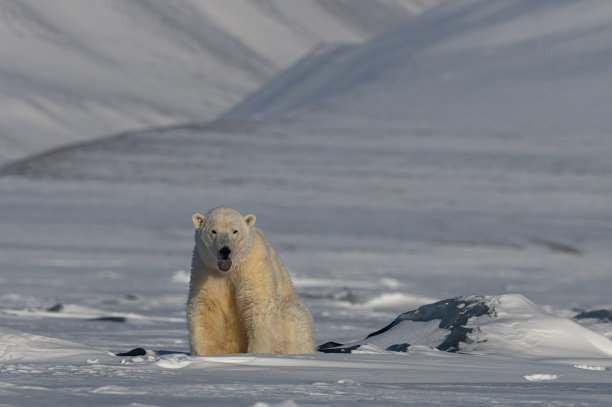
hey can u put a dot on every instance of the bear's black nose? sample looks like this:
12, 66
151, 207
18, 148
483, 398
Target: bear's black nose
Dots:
225, 252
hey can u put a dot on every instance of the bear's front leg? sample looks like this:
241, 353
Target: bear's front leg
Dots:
196, 323
205, 320
266, 332
214, 327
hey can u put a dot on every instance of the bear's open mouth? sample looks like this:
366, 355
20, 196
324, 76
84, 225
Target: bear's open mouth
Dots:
224, 264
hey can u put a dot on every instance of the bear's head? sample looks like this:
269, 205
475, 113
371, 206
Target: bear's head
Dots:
223, 237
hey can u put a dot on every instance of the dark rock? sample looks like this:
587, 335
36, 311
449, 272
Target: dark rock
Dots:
601, 314
327, 345
453, 315
558, 246
399, 347
56, 308
133, 352
348, 349
109, 319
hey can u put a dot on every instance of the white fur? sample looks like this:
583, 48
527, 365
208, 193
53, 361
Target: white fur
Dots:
250, 308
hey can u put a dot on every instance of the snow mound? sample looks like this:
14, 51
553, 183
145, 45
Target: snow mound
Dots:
112, 389
506, 325
541, 377
181, 277
27, 347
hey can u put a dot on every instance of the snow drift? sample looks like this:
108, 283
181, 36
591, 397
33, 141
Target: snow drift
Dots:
21, 347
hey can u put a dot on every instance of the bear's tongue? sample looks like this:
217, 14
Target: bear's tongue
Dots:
224, 264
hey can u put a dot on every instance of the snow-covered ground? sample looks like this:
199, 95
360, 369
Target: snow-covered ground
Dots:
454, 158
73, 70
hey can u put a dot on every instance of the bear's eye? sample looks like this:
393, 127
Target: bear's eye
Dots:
235, 231
214, 232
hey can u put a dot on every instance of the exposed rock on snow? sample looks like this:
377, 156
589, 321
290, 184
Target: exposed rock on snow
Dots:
601, 314
508, 325
453, 315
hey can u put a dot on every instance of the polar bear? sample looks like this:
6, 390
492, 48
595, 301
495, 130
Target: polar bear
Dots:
241, 298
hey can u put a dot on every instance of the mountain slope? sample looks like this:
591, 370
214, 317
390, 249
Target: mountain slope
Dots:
73, 70
501, 66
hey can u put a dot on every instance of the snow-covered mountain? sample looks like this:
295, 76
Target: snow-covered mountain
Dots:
505, 67
73, 70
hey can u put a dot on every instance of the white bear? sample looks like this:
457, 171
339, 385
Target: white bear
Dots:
241, 298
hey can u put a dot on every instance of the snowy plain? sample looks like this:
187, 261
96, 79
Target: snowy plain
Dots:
465, 152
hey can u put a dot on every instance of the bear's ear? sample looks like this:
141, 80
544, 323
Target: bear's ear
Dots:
250, 220
198, 220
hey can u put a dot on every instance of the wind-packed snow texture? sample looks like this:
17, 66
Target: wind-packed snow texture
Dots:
73, 70
462, 157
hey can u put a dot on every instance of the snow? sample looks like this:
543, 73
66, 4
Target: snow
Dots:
414, 168
541, 377
26, 347
519, 328
589, 367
